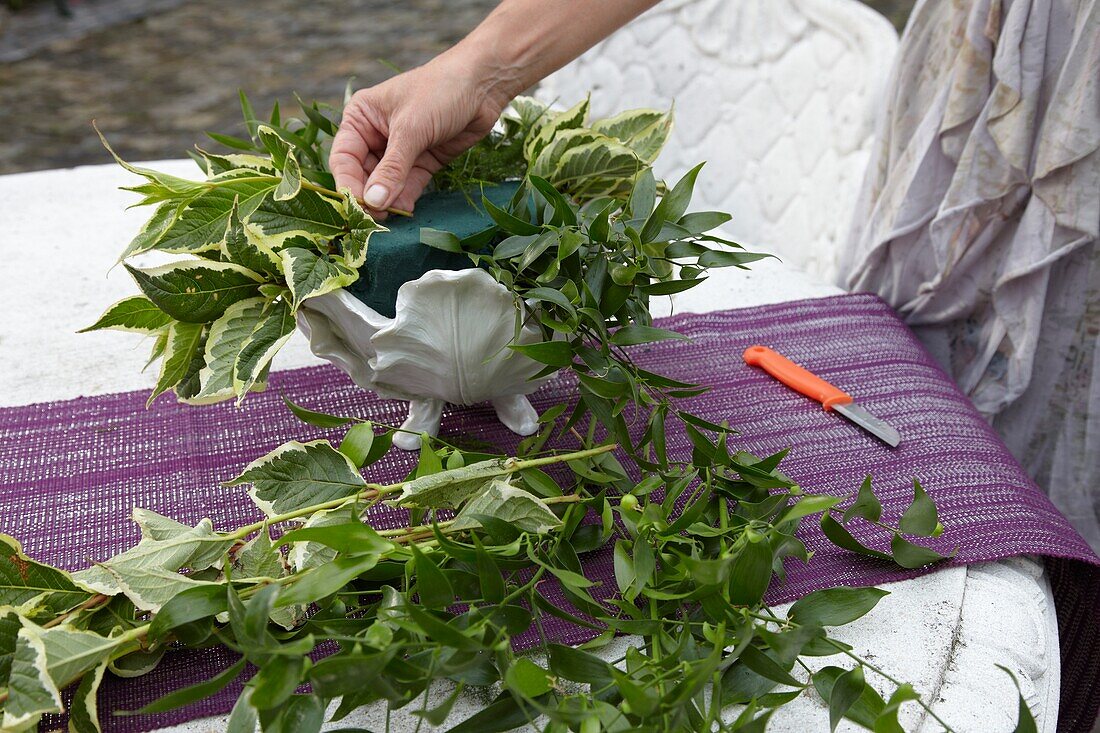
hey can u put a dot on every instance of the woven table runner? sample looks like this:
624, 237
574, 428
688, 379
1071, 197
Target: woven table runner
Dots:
71, 472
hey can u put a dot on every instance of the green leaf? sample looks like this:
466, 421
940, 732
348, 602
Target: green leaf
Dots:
842, 538
508, 222
324, 580
632, 335
806, 505
193, 604
528, 678
500, 500
276, 682
866, 504
672, 206
297, 475
921, 517
275, 327
441, 240
553, 353
579, 666
767, 667
503, 714
136, 313
350, 538
835, 606
846, 690
432, 586
199, 691
867, 707
300, 714
312, 417
357, 443
196, 291
644, 195
309, 274
910, 555
751, 574
698, 222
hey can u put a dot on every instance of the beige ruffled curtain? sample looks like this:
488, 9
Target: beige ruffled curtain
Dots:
979, 222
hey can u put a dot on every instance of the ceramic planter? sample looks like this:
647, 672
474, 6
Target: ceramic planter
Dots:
447, 343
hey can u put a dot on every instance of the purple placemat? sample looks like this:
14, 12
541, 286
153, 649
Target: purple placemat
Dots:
70, 472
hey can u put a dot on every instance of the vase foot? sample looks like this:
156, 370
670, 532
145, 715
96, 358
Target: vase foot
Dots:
516, 413
424, 416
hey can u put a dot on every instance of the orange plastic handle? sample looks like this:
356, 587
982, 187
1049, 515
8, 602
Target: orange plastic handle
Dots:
795, 377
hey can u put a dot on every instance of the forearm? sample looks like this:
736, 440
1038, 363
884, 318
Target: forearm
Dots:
523, 41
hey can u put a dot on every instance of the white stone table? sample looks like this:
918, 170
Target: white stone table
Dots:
61, 230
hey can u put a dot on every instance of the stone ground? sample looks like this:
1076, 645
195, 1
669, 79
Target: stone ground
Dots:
153, 73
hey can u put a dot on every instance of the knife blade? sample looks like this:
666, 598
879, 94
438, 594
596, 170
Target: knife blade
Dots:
831, 398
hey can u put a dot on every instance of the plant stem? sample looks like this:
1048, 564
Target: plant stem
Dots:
310, 185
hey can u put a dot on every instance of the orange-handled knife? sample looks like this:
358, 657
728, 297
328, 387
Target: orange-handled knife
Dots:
816, 388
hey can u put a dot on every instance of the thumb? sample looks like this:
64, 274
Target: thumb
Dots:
389, 176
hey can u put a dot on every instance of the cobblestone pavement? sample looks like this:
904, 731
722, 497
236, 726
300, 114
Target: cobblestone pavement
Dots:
154, 84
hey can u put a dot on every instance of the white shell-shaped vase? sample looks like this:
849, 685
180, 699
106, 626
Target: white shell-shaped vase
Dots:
448, 343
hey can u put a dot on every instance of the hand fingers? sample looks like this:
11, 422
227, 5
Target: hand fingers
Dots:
388, 178
348, 159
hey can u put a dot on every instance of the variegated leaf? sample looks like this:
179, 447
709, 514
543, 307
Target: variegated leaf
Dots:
31, 692
224, 343
274, 329
603, 167
291, 182
521, 509
550, 124
196, 291
148, 572
450, 489
362, 226
28, 585
136, 313
297, 475
241, 248
642, 130
183, 347
308, 214
84, 707
153, 230
309, 274
201, 224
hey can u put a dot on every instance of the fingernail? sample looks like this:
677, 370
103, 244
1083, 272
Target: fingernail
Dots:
376, 196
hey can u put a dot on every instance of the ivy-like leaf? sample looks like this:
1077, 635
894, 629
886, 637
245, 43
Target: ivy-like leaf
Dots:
921, 518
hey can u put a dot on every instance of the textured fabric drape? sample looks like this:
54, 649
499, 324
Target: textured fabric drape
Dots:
979, 219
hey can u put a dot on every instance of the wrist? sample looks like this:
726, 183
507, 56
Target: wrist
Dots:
496, 69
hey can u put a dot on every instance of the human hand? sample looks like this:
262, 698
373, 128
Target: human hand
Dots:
394, 136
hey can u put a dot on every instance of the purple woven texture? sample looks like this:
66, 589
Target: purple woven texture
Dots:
70, 472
